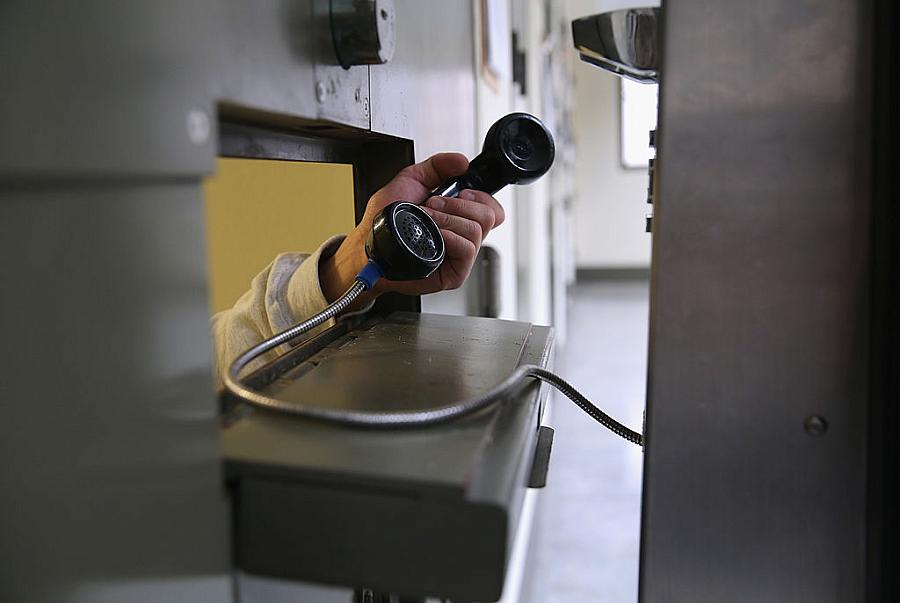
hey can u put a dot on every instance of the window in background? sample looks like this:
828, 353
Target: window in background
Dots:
638, 118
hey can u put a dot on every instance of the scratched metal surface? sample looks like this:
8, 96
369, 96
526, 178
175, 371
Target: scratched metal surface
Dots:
408, 361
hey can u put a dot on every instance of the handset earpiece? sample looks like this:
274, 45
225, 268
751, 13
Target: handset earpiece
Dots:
405, 242
518, 149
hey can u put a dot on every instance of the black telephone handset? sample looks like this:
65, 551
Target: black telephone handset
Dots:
407, 244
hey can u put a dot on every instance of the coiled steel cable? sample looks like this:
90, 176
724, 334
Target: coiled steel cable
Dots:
417, 418
232, 377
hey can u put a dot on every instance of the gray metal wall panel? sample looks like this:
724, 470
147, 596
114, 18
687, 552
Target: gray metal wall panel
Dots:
112, 487
278, 56
103, 88
112, 474
427, 91
759, 304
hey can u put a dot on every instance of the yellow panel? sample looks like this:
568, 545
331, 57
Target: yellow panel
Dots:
258, 208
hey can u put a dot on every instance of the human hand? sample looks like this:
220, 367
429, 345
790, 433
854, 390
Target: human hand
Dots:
464, 222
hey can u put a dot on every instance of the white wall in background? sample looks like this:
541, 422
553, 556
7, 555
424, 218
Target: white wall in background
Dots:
533, 201
610, 200
638, 116
491, 103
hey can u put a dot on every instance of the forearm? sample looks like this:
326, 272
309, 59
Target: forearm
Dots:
285, 292
338, 272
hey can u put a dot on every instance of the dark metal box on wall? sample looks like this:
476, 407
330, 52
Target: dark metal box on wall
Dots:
771, 466
765, 475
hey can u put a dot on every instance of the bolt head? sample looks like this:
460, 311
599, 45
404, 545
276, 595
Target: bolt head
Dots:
199, 127
815, 425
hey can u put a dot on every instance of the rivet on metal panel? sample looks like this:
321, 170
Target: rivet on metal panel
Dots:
320, 92
815, 425
198, 126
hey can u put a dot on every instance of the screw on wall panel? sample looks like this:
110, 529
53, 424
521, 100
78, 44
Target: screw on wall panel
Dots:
815, 425
320, 92
365, 106
356, 95
198, 126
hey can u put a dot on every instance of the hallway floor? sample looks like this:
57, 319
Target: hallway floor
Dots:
585, 547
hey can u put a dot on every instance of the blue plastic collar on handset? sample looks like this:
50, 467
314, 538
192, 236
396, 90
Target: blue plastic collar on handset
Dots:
370, 274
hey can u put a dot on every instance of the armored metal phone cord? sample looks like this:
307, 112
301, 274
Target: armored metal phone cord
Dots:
416, 418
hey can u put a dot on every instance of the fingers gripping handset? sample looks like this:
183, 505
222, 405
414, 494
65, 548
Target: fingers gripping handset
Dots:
406, 244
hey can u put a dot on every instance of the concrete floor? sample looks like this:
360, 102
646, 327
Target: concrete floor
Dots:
588, 519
